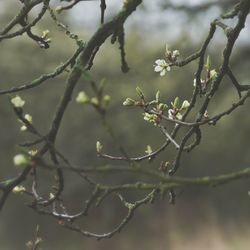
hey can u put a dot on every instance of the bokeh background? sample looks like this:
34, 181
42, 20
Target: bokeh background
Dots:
203, 218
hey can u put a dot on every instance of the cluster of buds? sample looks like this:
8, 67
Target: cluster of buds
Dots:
83, 98
18, 104
29, 119
45, 36
155, 109
211, 75
172, 56
175, 113
18, 189
99, 101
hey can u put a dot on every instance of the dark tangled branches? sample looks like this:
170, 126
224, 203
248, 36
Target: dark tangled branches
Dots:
163, 179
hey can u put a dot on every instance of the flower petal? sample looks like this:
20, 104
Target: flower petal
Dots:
158, 68
163, 72
158, 61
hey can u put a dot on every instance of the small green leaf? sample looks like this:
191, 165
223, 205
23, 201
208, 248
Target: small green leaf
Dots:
176, 103
129, 102
157, 96
208, 63
102, 84
162, 106
139, 92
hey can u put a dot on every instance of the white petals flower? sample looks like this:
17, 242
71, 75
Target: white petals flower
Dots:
20, 160
161, 66
17, 102
185, 104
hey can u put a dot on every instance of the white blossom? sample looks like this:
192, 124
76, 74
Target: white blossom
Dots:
161, 66
17, 102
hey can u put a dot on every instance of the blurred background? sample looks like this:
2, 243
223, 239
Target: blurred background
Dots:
203, 218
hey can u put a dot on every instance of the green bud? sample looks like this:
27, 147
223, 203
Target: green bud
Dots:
148, 150
185, 104
28, 118
150, 117
106, 100
82, 97
98, 147
18, 189
94, 101
21, 160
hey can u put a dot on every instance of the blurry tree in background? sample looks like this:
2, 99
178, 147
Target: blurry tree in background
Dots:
81, 128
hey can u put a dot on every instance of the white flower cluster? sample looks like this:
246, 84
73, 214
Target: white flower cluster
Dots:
175, 112
162, 66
